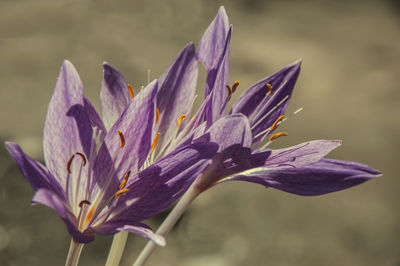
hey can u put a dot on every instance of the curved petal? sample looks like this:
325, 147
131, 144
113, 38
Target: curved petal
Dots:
127, 143
176, 92
35, 173
110, 228
160, 185
263, 108
68, 127
114, 95
319, 178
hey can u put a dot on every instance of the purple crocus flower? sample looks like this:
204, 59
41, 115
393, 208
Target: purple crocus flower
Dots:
301, 169
98, 176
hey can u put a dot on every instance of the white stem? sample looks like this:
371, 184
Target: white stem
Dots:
74, 253
117, 248
168, 223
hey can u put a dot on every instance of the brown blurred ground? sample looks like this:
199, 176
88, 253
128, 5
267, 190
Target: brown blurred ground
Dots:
349, 87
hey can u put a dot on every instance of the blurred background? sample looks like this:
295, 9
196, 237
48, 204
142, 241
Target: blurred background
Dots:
349, 88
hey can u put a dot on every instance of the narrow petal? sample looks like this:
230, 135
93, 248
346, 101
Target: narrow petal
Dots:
176, 92
49, 199
68, 128
262, 107
141, 229
128, 142
212, 44
319, 178
95, 120
160, 185
114, 95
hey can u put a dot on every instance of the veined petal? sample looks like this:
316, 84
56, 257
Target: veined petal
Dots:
128, 142
141, 229
160, 185
114, 95
94, 117
318, 178
35, 173
176, 92
68, 128
262, 107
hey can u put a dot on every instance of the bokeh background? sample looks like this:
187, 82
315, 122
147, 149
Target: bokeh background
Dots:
349, 88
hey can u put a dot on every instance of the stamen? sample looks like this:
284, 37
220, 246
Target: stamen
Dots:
180, 120
121, 136
157, 115
229, 89
131, 93
84, 202
123, 183
154, 144
277, 135
89, 215
83, 157
269, 89
120, 192
276, 122
69, 163
298, 110
235, 85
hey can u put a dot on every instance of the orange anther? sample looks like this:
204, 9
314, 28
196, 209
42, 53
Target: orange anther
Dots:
131, 93
83, 157
123, 183
154, 144
180, 119
276, 122
120, 192
69, 163
121, 136
269, 89
277, 135
157, 115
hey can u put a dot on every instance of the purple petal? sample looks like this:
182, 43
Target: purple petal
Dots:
176, 92
262, 109
141, 229
114, 95
95, 120
135, 125
49, 199
319, 178
160, 185
212, 44
302, 154
35, 173
68, 127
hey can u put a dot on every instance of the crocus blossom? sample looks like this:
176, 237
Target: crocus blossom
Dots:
301, 169
98, 176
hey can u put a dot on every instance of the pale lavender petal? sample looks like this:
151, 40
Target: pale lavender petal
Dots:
50, 199
319, 178
135, 125
114, 95
110, 228
176, 92
263, 109
302, 154
95, 120
35, 173
68, 127
160, 185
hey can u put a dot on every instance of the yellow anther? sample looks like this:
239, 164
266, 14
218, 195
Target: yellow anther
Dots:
154, 144
123, 183
83, 157
269, 89
180, 119
276, 122
69, 163
277, 135
157, 115
120, 192
84, 202
121, 136
235, 85
131, 93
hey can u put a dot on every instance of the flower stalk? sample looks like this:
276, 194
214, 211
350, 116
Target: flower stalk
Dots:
117, 248
74, 253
